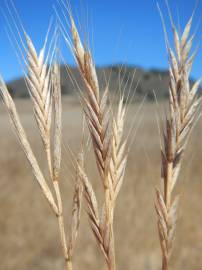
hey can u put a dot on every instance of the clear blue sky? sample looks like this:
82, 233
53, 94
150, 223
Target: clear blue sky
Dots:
123, 31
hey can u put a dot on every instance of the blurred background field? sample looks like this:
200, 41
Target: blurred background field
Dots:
28, 231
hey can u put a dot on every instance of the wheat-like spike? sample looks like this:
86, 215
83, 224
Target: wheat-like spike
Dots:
40, 91
96, 108
40, 81
109, 146
21, 135
183, 106
98, 118
77, 205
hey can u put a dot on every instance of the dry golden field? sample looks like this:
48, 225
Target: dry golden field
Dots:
29, 232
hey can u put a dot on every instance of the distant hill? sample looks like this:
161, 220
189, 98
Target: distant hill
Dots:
144, 81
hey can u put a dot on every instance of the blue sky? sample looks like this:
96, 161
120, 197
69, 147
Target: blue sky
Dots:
128, 31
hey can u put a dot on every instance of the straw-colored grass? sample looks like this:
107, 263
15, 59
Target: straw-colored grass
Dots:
109, 142
183, 106
45, 90
106, 132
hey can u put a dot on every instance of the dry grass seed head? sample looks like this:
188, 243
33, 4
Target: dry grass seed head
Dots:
183, 105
